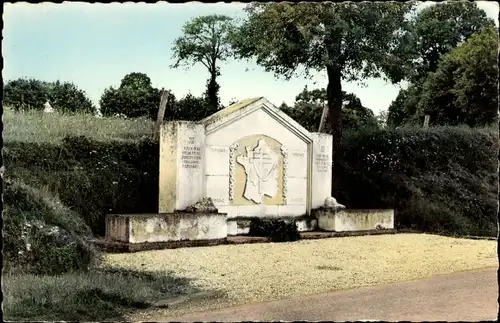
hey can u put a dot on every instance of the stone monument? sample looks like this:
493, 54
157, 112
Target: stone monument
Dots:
250, 160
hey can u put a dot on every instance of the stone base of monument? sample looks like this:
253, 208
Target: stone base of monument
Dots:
175, 228
330, 219
241, 225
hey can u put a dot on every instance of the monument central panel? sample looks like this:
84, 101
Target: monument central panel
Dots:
257, 171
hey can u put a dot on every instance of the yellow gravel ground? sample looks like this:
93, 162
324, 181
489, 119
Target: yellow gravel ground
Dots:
271, 271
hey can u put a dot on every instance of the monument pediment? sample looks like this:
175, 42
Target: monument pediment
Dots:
240, 109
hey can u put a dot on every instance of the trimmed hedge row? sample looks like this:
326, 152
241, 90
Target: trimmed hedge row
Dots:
437, 179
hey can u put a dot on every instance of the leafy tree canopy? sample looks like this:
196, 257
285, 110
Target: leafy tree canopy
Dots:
437, 29
31, 94
135, 97
309, 104
462, 90
350, 41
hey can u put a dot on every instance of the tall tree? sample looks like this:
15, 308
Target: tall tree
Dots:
350, 41
437, 29
464, 88
205, 40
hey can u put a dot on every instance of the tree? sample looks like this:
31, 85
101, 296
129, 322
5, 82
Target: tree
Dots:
25, 94
205, 40
31, 94
437, 29
403, 110
190, 108
464, 88
134, 97
308, 109
382, 118
350, 41
67, 97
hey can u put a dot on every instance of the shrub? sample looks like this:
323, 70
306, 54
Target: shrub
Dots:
276, 230
41, 235
93, 178
437, 179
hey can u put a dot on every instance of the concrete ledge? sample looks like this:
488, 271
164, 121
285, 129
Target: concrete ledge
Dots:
165, 227
354, 220
241, 225
121, 247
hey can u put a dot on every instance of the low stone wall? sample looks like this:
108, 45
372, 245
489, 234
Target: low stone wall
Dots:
241, 225
355, 220
165, 227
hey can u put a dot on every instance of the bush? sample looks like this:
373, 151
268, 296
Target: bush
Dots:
41, 235
91, 177
276, 230
437, 179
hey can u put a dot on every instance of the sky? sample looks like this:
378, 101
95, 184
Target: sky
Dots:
95, 45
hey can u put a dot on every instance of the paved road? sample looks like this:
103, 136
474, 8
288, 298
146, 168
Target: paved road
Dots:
469, 296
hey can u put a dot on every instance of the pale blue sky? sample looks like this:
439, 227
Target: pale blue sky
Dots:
95, 45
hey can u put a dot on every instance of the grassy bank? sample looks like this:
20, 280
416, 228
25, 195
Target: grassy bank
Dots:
101, 294
40, 127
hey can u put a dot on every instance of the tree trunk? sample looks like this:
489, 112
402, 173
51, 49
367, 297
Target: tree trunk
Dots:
334, 119
212, 93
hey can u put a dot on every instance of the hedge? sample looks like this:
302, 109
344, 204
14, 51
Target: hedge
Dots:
437, 179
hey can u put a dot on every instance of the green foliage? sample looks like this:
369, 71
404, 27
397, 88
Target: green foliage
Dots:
437, 179
189, 108
437, 29
98, 295
93, 178
315, 35
276, 230
463, 89
41, 235
351, 41
31, 94
308, 109
205, 40
135, 97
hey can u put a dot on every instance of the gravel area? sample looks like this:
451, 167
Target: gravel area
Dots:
271, 271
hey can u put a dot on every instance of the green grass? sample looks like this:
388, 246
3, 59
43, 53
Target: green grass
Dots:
101, 294
37, 126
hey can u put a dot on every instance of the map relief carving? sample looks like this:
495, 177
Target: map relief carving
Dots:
260, 165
